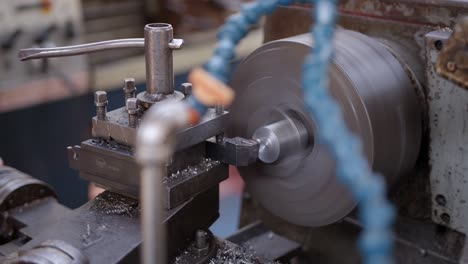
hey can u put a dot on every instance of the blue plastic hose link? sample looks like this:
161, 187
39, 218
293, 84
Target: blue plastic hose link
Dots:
376, 213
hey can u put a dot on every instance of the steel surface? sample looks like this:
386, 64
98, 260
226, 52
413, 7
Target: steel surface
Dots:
379, 104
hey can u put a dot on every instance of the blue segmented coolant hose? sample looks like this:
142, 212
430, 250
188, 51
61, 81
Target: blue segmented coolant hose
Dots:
376, 213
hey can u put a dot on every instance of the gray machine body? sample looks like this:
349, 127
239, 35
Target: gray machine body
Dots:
409, 118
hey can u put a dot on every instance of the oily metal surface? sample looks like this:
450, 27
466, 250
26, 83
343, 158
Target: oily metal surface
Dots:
378, 104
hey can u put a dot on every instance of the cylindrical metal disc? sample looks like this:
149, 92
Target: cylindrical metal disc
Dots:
378, 104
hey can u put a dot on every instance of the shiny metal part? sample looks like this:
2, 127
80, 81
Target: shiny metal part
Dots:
132, 110
448, 154
155, 146
44, 53
379, 104
100, 100
159, 62
114, 168
176, 44
281, 139
147, 100
115, 127
265, 242
153, 232
129, 88
159, 43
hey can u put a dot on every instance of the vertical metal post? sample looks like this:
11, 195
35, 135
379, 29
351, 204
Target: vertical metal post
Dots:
154, 232
159, 64
155, 146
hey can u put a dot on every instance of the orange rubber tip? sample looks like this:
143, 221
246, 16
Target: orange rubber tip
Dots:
209, 90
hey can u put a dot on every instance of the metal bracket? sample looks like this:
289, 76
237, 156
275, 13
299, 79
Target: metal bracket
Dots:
448, 155
452, 62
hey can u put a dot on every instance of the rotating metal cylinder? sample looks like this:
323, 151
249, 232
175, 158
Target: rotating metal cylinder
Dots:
379, 104
281, 139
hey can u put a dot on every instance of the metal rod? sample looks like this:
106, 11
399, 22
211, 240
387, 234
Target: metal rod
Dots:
154, 232
158, 54
281, 139
155, 147
42, 53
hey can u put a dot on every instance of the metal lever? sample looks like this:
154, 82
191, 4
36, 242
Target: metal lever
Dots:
43, 53
158, 44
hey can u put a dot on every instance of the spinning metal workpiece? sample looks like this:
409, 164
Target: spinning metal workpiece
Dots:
296, 176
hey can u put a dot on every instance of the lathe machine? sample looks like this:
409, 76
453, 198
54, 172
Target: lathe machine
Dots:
398, 72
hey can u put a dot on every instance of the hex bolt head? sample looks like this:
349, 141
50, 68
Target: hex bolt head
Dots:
132, 105
100, 98
129, 88
201, 246
186, 89
132, 109
129, 83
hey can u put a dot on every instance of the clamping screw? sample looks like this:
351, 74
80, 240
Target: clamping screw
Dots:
129, 88
132, 109
201, 238
186, 89
201, 246
100, 100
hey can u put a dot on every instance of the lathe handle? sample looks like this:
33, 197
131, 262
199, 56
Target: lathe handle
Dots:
158, 45
43, 53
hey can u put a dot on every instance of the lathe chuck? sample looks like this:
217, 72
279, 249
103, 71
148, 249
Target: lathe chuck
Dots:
379, 104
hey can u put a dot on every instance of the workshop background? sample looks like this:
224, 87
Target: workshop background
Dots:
45, 106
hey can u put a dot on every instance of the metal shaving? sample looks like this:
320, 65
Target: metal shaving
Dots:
204, 166
229, 253
116, 204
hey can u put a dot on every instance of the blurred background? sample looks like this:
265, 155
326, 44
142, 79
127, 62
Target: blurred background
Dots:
47, 105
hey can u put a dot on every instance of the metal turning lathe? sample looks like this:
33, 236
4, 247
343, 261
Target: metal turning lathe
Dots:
397, 73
